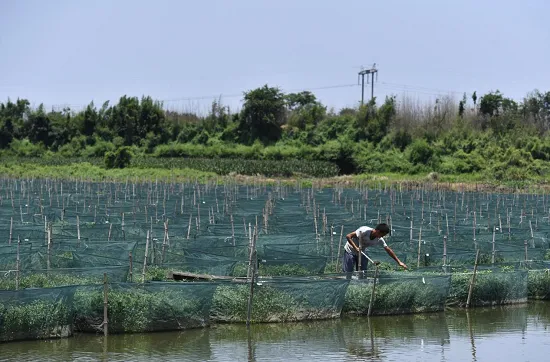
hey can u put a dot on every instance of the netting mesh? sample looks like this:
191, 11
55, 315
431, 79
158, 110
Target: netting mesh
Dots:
281, 299
36, 313
396, 293
144, 307
59, 233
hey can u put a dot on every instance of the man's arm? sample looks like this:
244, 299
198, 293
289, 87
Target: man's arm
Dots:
350, 237
394, 257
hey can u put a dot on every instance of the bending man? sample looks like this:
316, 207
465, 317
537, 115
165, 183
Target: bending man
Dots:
360, 240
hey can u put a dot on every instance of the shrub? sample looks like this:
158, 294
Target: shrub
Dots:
121, 158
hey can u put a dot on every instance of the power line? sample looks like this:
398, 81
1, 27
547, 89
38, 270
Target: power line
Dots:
240, 94
372, 72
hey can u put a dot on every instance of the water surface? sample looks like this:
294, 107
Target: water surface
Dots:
512, 333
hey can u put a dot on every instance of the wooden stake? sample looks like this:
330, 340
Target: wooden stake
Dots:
78, 229
145, 258
339, 247
472, 282
131, 271
252, 271
17, 264
371, 302
11, 230
105, 306
445, 250
419, 246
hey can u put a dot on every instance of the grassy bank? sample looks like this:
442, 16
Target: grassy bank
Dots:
94, 170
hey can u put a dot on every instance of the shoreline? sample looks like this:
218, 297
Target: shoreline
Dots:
434, 181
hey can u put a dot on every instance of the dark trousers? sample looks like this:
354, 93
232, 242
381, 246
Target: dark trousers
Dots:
350, 261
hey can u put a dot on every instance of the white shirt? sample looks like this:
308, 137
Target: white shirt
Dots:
363, 240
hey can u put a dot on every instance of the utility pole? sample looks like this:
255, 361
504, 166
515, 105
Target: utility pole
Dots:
368, 72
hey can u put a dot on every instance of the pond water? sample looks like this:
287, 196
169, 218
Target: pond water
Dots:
511, 333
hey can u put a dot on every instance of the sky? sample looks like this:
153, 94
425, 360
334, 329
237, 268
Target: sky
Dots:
188, 53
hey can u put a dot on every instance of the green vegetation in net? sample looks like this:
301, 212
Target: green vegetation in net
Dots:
61, 277
284, 269
491, 287
36, 314
398, 294
145, 307
538, 284
280, 300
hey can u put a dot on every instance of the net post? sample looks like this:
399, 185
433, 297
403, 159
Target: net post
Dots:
472, 282
105, 306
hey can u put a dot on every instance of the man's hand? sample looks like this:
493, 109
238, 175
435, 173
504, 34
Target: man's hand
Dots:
403, 265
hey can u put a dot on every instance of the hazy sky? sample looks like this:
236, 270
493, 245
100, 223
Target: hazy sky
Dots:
72, 52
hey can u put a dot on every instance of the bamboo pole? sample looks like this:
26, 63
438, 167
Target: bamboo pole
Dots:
232, 229
11, 230
253, 261
472, 282
474, 229
78, 229
105, 306
49, 246
189, 227
17, 264
445, 250
331, 243
131, 271
145, 258
419, 246
122, 228
339, 247
372, 295
250, 249
164, 239
493, 252
532, 235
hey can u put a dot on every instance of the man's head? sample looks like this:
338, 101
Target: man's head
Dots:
381, 230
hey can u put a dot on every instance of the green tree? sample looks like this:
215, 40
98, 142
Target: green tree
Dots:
63, 128
218, 118
536, 110
376, 121
40, 127
124, 118
304, 110
491, 104
90, 120
296, 100
462, 106
262, 115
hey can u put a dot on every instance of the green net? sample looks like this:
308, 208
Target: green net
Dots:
280, 299
398, 293
194, 261
144, 307
491, 287
36, 313
276, 261
138, 231
43, 278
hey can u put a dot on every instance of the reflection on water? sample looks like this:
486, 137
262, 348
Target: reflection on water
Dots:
517, 333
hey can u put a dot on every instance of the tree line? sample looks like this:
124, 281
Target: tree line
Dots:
489, 134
